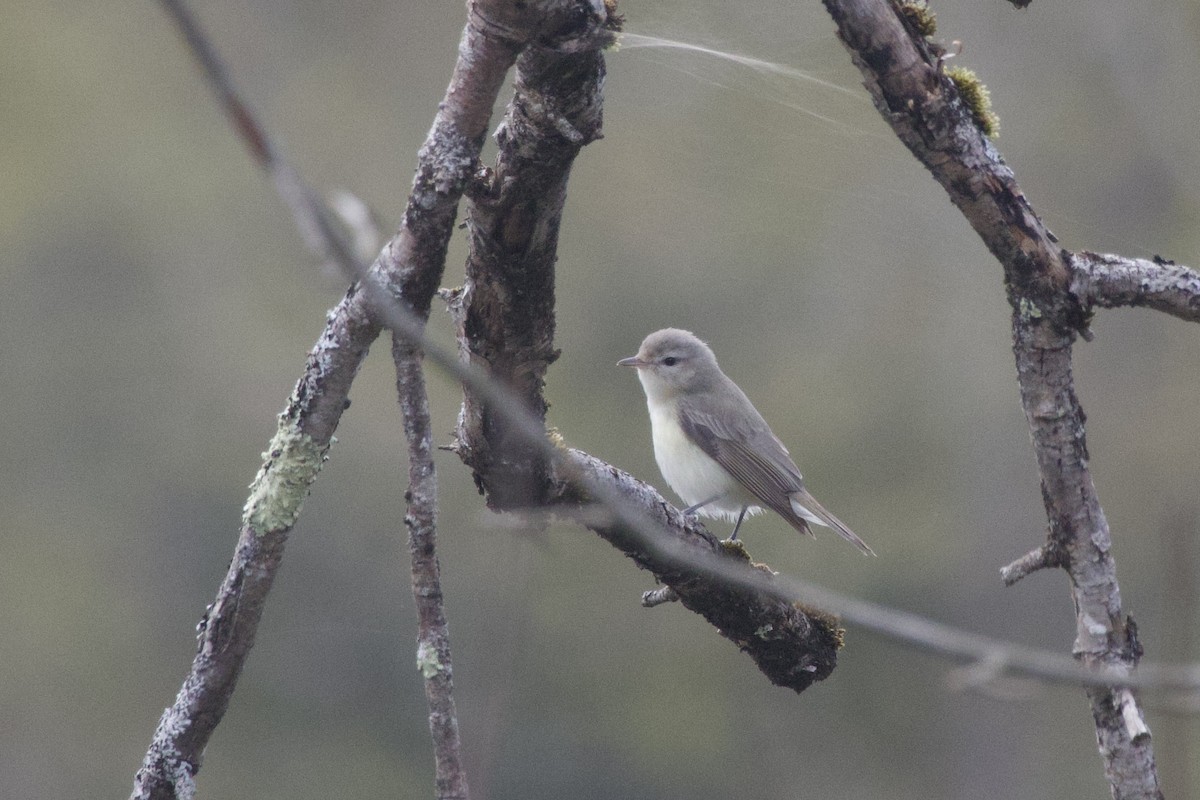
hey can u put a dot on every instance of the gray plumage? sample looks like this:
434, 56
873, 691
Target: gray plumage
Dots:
713, 447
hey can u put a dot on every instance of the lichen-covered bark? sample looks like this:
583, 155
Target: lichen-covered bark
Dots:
409, 269
227, 632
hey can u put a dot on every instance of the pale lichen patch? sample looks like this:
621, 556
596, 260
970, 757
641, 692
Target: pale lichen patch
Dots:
290, 465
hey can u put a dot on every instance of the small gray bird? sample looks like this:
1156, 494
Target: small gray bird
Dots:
711, 444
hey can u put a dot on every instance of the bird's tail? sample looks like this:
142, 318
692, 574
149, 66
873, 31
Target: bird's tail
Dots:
809, 510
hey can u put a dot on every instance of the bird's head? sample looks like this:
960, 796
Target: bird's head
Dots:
673, 361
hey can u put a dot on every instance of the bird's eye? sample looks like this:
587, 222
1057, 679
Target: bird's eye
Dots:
670, 361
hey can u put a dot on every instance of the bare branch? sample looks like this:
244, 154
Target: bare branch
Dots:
433, 633
659, 596
1110, 281
671, 550
505, 313
792, 644
1104, 637
1042, 557
903, 75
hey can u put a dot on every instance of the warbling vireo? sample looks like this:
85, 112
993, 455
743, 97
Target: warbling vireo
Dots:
711, 444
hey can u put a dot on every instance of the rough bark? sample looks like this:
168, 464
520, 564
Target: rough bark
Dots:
227, 631
410, 268
505, 312
505, 318
433, 632
1111, 281
904, 77
793, 646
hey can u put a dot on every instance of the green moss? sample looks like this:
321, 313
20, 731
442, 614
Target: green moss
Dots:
556, 438
614, 23
827, 622
734, 547
290, 465
920, 16
977, 98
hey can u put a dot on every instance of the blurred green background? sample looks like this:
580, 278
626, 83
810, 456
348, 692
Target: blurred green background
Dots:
157, 307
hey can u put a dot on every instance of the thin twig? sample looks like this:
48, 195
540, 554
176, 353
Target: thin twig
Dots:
1044, 556
659, 596
433, 633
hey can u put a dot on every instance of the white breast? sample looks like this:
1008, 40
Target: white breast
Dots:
690, 471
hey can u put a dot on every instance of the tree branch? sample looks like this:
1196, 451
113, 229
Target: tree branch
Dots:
678, 551
903, 74
433, 633
1110, 281
505, 312
793, 645
505, 318
410, 268
904, 77
1045, 556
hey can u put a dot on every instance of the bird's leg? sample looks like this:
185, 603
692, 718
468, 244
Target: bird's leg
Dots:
741, 517
692, 509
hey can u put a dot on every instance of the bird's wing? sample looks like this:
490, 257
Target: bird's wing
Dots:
754, 456
750, 453
807, 506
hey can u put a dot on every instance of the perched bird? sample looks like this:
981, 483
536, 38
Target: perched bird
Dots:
711, 444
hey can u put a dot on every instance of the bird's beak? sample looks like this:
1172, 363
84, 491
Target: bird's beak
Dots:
632, 361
